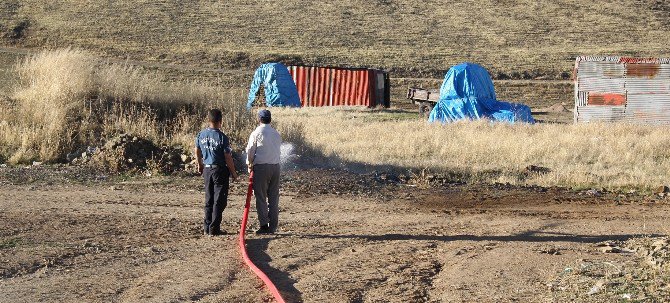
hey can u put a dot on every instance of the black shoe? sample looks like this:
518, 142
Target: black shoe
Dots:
265, 229
205, 232
217, 233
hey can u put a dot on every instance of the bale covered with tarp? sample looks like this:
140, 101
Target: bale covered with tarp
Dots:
280, 90
467, 93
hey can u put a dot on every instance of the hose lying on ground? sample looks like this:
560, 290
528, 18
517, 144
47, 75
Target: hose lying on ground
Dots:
243, 248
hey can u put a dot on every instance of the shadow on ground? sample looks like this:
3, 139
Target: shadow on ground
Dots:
534, 236
257, 252
311, 157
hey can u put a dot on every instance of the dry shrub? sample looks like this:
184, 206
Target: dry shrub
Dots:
54, 86
68, 98
580, 155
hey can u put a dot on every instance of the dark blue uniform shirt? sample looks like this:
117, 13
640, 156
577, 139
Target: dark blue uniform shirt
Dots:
213, 144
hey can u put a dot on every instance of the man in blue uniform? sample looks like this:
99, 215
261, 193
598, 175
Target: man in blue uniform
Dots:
215, 164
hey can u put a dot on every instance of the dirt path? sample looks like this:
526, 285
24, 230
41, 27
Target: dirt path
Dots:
140, 241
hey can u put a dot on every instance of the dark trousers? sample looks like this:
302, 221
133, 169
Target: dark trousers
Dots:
266, 190
216, 197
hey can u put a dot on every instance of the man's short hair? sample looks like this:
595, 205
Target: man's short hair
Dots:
265, 116
215, 115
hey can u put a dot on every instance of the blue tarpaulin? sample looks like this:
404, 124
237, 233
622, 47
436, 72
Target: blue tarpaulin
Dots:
467, 93
280, 90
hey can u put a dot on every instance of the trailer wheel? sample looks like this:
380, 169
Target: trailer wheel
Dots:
425, 108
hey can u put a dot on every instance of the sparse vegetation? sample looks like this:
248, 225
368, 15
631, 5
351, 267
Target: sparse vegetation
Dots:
643, 278
69, 98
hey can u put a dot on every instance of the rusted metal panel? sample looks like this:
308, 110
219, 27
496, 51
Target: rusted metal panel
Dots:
312, 87
317, 87
359, 87
360, 84
332, 86
635, 90
299, 75
305, 82
337, 87
349, 83
642, 70
606, 99
365, 87
348, 88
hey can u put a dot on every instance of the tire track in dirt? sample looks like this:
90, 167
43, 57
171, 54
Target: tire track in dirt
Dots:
382, 278
200, 270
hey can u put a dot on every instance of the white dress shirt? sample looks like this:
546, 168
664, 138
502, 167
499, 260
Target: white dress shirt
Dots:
264, 146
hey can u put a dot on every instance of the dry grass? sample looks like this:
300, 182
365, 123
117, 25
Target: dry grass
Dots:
517, 39
69, 98
583, 155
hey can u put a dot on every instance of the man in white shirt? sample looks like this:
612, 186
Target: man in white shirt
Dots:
263, 157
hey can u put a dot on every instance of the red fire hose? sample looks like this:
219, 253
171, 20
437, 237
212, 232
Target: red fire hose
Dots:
243, 248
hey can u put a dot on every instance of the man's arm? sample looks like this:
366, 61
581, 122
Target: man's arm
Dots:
251, 150
198, 156
231, 166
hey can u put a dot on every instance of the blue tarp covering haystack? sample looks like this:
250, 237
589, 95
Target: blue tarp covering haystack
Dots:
280, 90
467, 93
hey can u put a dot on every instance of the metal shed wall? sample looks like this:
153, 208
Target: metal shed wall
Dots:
332, 86
624, 89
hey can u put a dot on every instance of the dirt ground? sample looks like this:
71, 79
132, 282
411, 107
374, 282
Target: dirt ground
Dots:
68, 235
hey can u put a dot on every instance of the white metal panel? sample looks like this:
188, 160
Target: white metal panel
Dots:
648, 86
600, 113
602, 69
648, 102
589, 83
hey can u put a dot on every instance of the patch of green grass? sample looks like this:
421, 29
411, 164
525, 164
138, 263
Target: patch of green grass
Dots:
10, 243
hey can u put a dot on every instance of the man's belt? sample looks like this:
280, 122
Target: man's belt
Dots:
212, 165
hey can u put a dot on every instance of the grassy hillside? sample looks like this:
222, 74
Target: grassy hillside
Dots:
514, 39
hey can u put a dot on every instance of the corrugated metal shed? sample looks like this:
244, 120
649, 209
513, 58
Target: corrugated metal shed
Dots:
334, 86
624, 89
